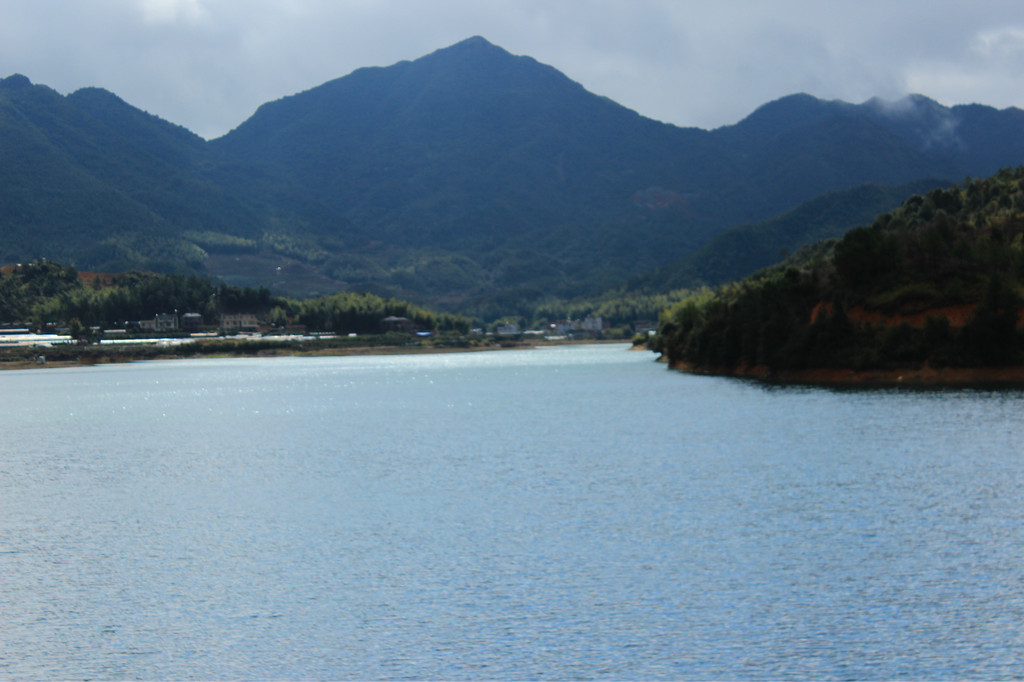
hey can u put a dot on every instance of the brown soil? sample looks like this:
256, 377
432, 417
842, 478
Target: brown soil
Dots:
958, 315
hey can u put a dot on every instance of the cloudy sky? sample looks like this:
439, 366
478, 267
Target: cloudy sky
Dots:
207, 64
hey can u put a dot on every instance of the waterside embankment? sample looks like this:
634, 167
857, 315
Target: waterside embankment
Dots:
923, 376
71, 355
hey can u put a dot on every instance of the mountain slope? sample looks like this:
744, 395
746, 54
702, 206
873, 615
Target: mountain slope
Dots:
466, 176
506, 161
939, 282
48, 198
89, 179
744, 249
466, 134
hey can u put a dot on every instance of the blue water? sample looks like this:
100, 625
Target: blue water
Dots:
576, 512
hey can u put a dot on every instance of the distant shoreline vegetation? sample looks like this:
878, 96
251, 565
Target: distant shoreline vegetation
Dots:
935, 287
63, 355
43, 295
142, 315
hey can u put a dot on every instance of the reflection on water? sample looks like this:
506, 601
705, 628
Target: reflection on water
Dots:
556, 513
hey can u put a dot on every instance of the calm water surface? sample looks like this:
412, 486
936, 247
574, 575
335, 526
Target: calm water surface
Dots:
578, 512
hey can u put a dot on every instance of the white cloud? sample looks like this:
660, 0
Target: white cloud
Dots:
983, 67
172, 11
1001, 43
207, 64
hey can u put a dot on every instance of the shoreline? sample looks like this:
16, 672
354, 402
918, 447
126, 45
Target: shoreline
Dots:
924, 376
92, 355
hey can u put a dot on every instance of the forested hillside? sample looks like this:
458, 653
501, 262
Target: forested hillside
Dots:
745, 249
91, 180
469, 179
939, 280
43, 293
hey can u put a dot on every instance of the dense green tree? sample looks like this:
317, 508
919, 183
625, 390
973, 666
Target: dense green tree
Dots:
951, 246
43, 293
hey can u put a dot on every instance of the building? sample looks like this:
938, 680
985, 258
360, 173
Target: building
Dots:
191, 322
239, 322
393, 323
561, 328
162, 322
645, 327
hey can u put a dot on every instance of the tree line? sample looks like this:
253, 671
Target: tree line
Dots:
45, 293
961, 246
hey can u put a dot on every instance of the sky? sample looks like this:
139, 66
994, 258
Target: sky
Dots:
208, 64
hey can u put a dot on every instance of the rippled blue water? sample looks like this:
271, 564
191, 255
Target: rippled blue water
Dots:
578, 512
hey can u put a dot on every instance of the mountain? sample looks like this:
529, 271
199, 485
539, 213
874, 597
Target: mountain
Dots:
465, 133
744, 249
89, 179
465, 178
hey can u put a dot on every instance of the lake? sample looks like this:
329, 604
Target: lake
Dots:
577, 512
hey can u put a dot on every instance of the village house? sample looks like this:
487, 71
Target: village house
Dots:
165, 322
393, 323
191, 322
161, 322
593, 324
561, 328
239, 322
645, 327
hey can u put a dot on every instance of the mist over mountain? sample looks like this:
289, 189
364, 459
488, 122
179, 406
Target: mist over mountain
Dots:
467, 177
